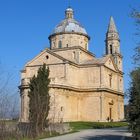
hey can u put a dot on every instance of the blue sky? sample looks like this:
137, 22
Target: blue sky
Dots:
26, 24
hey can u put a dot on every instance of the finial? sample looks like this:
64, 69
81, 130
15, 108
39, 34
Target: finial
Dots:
69, 6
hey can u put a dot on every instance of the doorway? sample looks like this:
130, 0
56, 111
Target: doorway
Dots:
110, 113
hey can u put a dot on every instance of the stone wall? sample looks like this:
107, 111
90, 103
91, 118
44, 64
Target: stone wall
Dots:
69, 40
85, 106
75, 54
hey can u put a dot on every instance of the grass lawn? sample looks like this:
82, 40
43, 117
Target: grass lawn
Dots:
76, 126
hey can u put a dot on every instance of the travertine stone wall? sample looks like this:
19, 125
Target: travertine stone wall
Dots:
78, 92
24, 115
80, 77
69, 40
83, 77
115, 45
85, 106
69, 105
76, 105
116, 79
119, 63
74, 54
114, 102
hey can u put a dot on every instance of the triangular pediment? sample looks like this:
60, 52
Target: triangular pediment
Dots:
47, 57
111, 64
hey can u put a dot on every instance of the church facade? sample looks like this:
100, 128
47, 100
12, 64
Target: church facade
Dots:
82, 87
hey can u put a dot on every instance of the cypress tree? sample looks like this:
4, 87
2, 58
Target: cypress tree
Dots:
39, 100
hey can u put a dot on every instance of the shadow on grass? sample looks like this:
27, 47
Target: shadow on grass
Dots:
107, 137
119, 129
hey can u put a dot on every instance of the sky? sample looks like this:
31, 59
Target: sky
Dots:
26, 24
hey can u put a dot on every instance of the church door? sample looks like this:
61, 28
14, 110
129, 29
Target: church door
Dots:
110, 113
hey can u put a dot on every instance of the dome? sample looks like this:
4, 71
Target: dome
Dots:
69, 24
69, 33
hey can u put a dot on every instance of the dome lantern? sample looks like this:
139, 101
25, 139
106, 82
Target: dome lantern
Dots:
69, 13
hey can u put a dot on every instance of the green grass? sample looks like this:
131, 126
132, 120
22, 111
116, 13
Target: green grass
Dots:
76, 126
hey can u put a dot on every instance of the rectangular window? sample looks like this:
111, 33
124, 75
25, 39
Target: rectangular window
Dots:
60, 44
110, 80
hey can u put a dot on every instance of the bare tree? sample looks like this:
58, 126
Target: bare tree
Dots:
8, 106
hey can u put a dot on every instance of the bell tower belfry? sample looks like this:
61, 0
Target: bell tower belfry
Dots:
113, 43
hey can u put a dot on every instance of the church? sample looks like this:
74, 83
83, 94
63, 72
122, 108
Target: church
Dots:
82, 87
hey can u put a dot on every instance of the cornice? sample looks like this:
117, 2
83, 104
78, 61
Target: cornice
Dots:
69, 33
71, 48
79, 89
120, 72
86, 89
118, 54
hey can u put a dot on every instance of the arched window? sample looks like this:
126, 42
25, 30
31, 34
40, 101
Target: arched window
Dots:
111, 49
61, 108
60, 44
47, 57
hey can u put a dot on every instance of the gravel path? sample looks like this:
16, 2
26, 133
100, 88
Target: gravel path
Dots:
97, 134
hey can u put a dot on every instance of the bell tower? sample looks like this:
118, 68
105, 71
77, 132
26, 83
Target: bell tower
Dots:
113, 43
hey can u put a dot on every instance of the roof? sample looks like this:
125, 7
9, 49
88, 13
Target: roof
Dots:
112, 27
112, 32
97, 60
69, 24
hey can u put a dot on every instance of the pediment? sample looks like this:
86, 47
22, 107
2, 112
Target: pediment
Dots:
111, 64
46, 57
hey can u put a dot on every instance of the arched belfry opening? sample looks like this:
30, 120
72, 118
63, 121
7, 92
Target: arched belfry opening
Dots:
111, 49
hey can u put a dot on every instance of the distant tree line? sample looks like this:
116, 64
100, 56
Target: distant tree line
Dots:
134, 90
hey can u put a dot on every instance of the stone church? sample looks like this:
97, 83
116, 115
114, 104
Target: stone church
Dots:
82, 87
